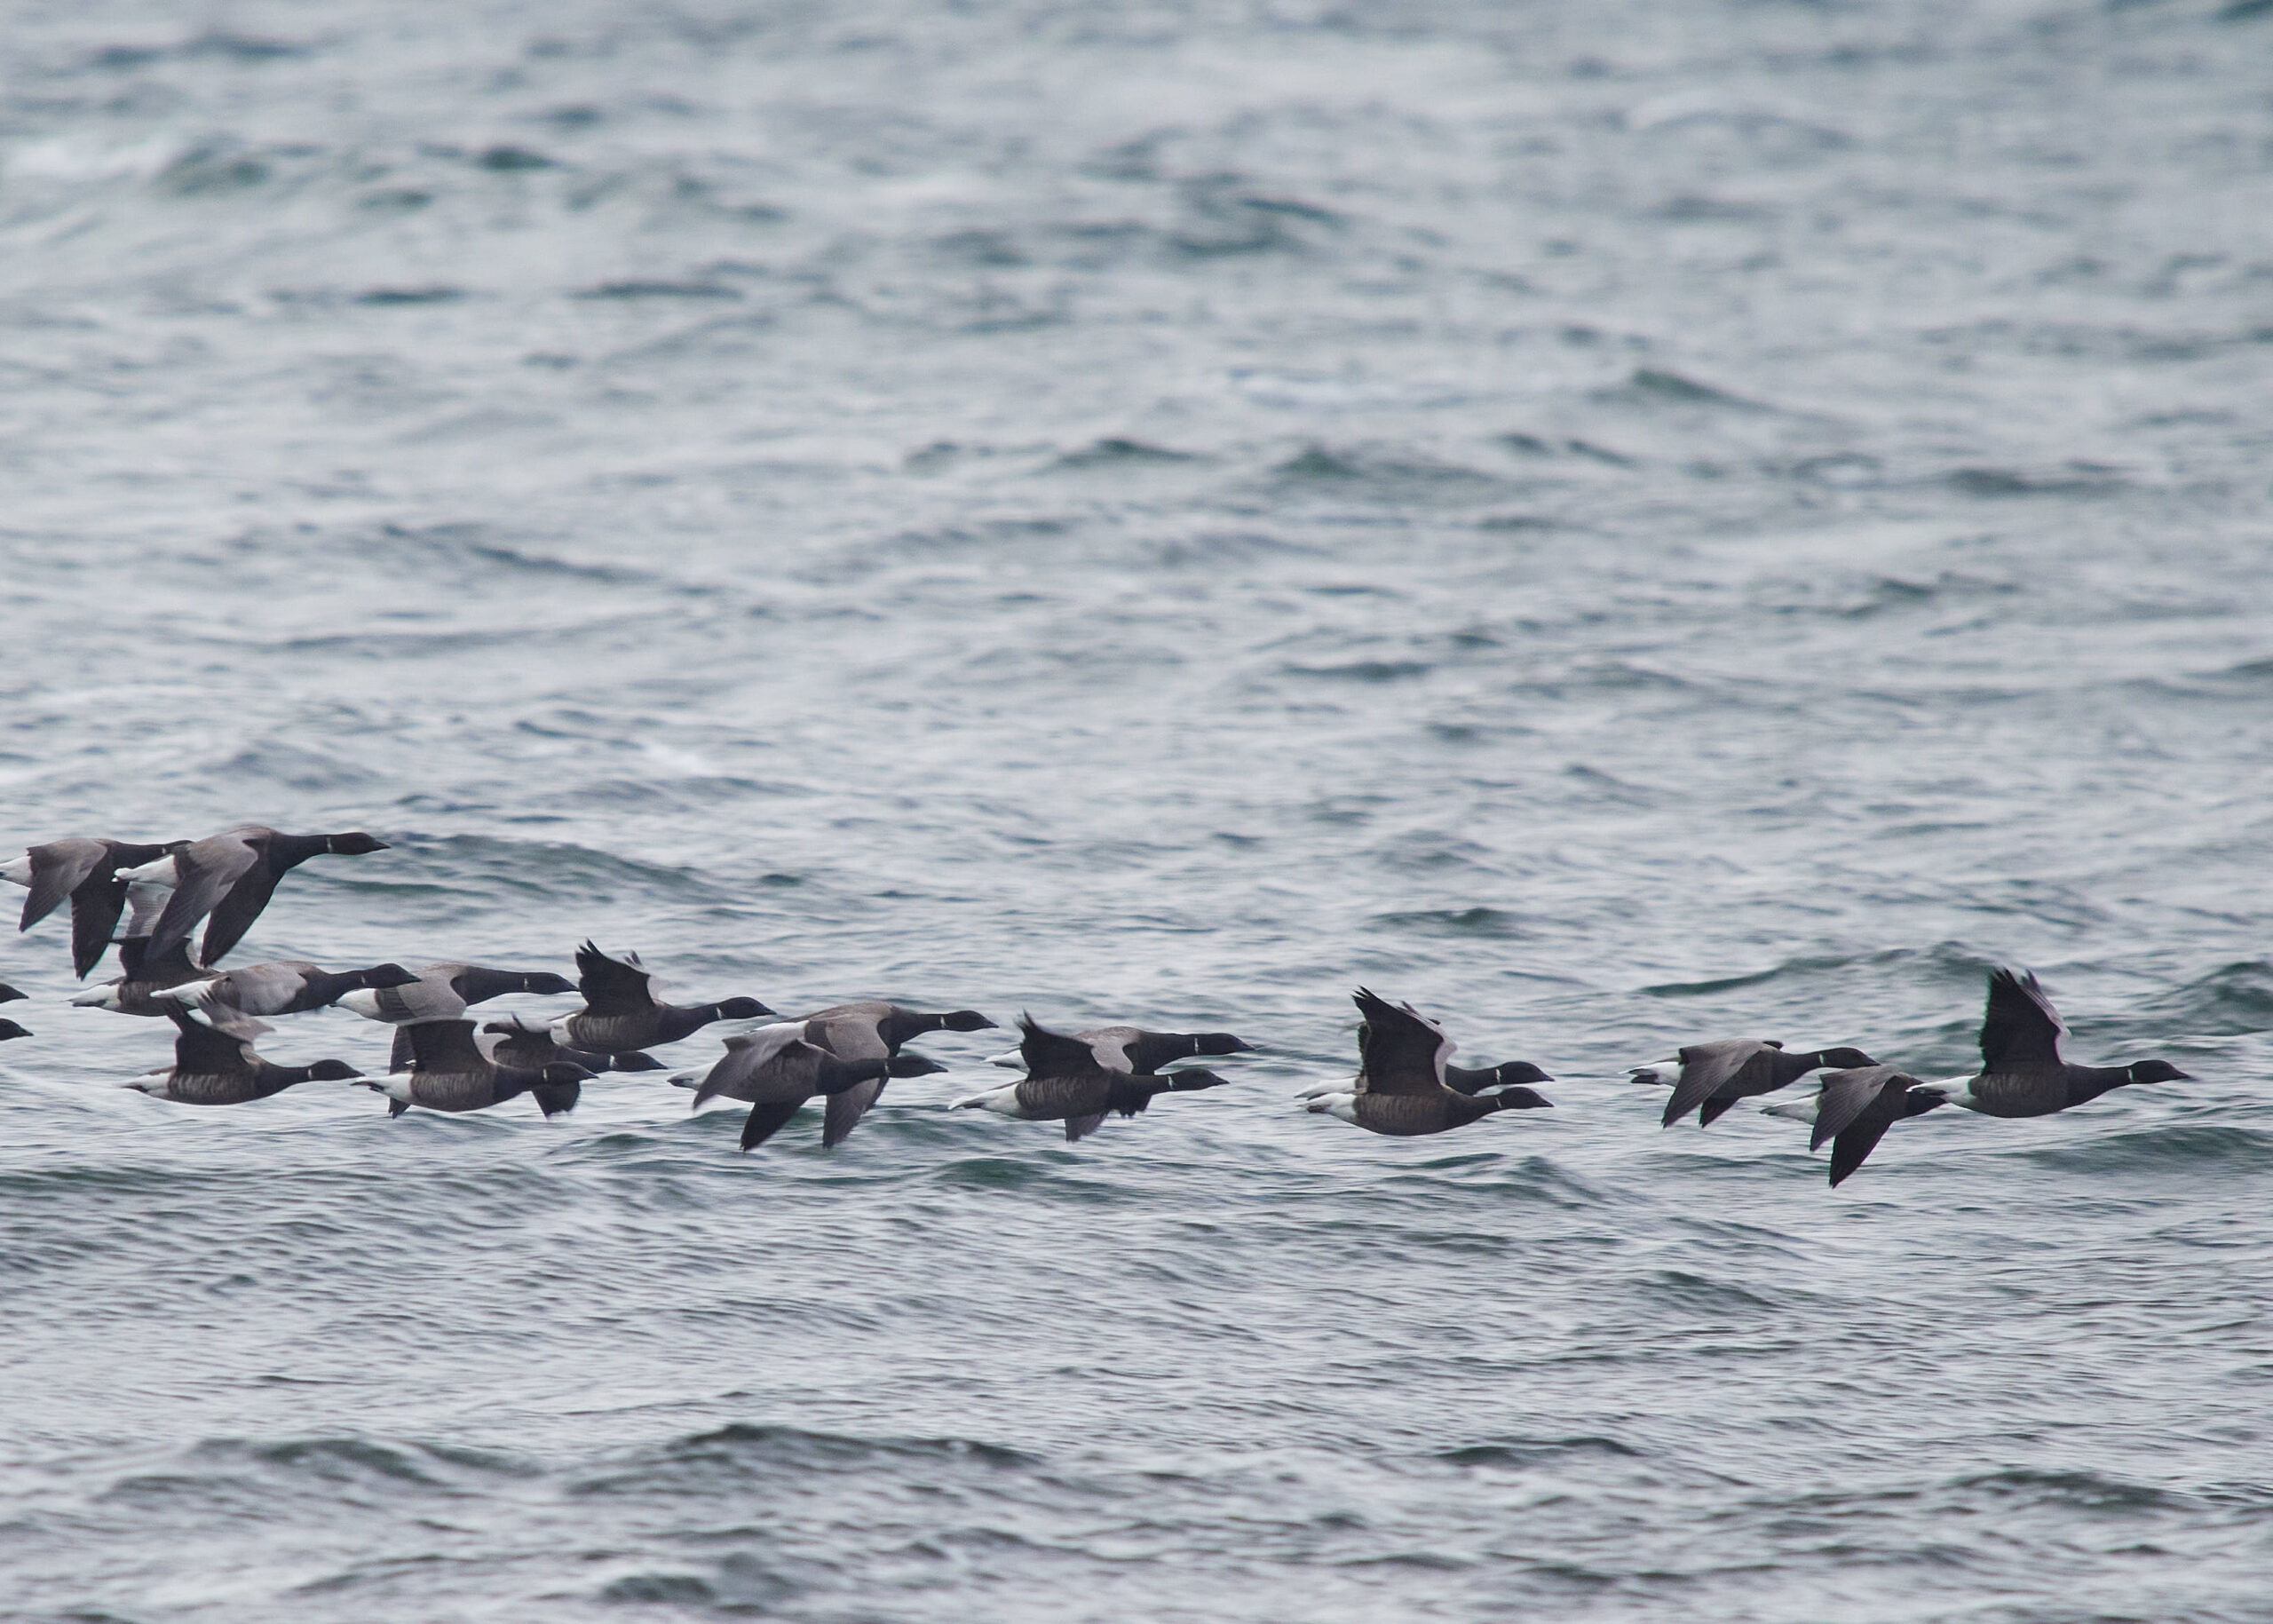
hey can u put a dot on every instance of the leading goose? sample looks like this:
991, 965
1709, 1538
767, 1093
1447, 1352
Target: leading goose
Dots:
2021, 1072
1400, 1086
86, 871
285, 986
215, 1067
621, 1011
1713, 1077
778, 1068
1065, 1082
448, 1072
873, 1029
1132, 1049
231, 877
1853, 1108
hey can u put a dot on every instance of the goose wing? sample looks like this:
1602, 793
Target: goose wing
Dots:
1054, 1054
1119, 1049
1704, 1068
843, 1109
58, 868
750, 1055
851, 1031
204, 873
446, 1047
612, 986
2021, 1027
201, 1048
1846, 1096
1399, 1050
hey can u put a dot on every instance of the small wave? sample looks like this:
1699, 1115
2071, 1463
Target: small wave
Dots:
2233, 998
2192, 1146
746, 1452
386, 298
1474, 922
511, 160
1392, 477
1118, 453
2081, 480
1650, 385
658, 288
2077, 1491
1363, 670
1533, 1451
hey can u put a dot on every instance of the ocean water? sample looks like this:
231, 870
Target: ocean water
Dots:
1620, 523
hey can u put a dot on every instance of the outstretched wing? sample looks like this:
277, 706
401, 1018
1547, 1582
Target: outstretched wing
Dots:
1054, 1054
1704, 1068
2020, 1026
204, 871
1399, 1050
202, 1049
845, 1108
58, 868
444, 1046
611, 986
1846, 1096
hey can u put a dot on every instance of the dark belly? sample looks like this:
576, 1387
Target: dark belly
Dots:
449, 1091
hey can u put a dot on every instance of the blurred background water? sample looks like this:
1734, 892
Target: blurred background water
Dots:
1621, 524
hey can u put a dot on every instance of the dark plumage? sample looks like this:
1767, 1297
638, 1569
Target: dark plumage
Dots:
231, 877
777, 1069
9, 1029
142, 976
1132, 1049
86, 871
2021, 1072
443, 992
621, 1011
214, 1068
513, 1041
1853, 1110
1066, 1083
1400, 1084
8, 995
1714, 1076
873, 1029
448, 1072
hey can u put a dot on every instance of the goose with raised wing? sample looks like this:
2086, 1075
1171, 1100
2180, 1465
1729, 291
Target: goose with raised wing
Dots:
2021, 1072
1711, 1078
621, 1011
88, 872
1399, 1088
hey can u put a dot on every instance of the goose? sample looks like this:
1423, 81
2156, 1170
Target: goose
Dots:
86, 871
143, 976
2021, 1072
285, 986
218, 1067
448, 1072
1065, 1082
777, 1069
443, 992
620, 1012
231, 877
1853, 1108
1459, 1079
1710, 1078
1401, 1085
1131, 1048
513, 1041
874, 1029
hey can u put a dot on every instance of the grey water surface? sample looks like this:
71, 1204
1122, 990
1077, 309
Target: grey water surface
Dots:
1619, 523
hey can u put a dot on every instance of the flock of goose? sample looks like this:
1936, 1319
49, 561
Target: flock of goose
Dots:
845, 1054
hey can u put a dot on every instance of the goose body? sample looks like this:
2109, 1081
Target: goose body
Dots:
226, 880
621, 1011
777, 1069
1400, 1090
513, 1041
1134, 1049
1711, 1078
144, 979
285, 986
444, 992
448, 1072
2021, 1072
1853, 1108
873, 1029
1066, 1083
214, 1068
88, 872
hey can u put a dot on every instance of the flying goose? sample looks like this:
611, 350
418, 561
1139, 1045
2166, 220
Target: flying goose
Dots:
873, 1029
143, 976
1401, 1085
231, 877
2021, 1072
448, 1072
215, 1067
1711, 1078
86, 871
620, 1012
513, 1041
286, 987
1065, 1082
1131, 1048
1459, 1079
442, 991
778, 1068
1853, 1108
